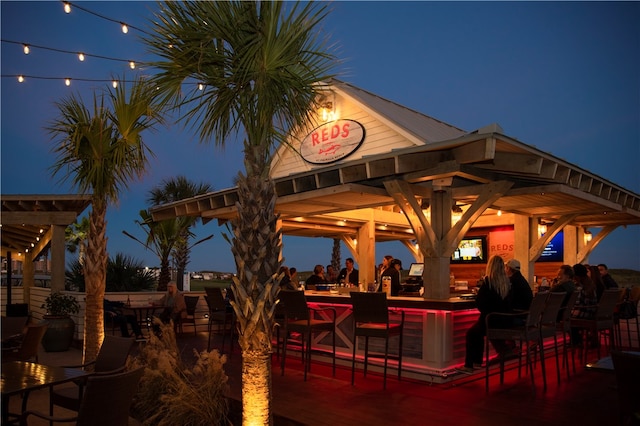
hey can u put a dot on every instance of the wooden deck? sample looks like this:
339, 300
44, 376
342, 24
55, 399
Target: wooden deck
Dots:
588, 398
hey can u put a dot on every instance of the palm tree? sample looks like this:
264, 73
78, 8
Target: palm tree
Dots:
76, 237
261, 64
100, 150
335, 255
162, 238
175, 189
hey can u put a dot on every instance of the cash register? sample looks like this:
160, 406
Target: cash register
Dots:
413, 283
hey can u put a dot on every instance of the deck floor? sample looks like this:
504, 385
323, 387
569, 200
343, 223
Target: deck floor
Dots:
589, 397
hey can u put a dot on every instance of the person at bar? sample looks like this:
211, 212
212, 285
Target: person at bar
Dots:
331, 275
348, 274
521, 294
316, 278
607, 279
493, 296
389, 270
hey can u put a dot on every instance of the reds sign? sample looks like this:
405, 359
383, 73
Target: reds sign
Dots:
332, 142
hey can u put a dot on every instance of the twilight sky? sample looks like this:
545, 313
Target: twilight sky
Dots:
563, 77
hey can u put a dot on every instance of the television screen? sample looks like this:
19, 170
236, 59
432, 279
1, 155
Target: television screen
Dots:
554, 251
471, 250
416, 269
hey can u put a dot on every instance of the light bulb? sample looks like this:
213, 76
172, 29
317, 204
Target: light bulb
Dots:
67, 81
114, 84
125, 29
499, 212
132, 65
81, 56
67, 7
200, 86
26, 49
20, 79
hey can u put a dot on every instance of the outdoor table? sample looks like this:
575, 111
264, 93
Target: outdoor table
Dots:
143, 313
23, 377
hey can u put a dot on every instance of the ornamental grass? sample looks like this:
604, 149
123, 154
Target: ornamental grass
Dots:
174, 393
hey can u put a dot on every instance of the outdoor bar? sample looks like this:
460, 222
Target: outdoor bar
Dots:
374, 171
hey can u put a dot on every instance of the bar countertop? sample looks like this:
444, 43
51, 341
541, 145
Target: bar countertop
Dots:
454, 303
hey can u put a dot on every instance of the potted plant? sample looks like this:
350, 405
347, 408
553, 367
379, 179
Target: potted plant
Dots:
60, 326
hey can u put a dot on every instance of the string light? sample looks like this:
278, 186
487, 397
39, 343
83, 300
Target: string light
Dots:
114, 83
81, 56
67, 81
200, 86
125, 27
20, 79
132, 65
26, 49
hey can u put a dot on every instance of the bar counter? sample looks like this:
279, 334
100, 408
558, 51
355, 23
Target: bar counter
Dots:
434, 334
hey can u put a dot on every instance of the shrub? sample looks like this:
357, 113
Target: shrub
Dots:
59, 304
172, 393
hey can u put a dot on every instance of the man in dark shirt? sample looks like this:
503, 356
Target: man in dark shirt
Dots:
607, 279
348, 274
521, 294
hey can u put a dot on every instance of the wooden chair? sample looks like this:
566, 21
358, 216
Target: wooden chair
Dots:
300, 318
29, 345
371, 318
601, 323
192, 303
111, 359
105, 401
220, 314
527, 334
627, 370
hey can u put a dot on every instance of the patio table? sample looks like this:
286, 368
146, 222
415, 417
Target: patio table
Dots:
23, 377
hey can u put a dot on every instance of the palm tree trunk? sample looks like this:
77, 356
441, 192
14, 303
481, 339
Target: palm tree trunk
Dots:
95, 276
256, 387
257, 249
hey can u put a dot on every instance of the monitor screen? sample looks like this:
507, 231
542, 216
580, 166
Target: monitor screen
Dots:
471, 250
415, 270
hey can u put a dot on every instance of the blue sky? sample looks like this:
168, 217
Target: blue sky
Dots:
563, 77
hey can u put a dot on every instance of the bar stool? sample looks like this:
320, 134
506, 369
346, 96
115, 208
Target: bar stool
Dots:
371, 318
220, 314
300, 318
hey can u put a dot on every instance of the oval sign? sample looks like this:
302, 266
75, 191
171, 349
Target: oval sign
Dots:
332, 142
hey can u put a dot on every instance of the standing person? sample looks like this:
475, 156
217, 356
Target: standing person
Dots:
173, 303
349, 274
607, 279
331, 276
388, 270
493, 296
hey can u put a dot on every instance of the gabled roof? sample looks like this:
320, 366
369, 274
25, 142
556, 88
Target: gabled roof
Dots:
422, 127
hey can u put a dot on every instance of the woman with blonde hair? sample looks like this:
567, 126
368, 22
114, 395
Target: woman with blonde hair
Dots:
493, 296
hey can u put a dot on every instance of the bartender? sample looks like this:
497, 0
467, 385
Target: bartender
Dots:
391, 270
348, 275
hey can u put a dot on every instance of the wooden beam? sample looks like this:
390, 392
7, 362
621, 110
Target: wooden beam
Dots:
538, 246
37, 218
475, 152
591, 245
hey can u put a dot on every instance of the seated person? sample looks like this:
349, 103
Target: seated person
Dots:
114, 310
173, 303
316, 278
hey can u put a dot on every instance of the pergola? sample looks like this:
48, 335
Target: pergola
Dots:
407, 175
32, 223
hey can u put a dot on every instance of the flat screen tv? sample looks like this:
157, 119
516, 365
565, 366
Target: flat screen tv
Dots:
554, 251
471, 250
